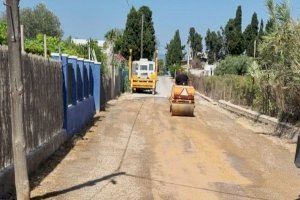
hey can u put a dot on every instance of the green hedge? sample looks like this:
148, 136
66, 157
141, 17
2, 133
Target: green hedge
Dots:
250, 93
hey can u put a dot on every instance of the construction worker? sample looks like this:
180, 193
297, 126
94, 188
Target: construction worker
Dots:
181, 78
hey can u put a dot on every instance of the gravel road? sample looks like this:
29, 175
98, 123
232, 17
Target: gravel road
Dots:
136, 150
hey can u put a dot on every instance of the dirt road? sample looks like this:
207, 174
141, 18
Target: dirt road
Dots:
136, 150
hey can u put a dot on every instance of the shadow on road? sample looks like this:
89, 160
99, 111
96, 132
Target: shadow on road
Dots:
76, 187
50, 164
194, 187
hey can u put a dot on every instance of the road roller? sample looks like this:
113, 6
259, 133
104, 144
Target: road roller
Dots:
182, 102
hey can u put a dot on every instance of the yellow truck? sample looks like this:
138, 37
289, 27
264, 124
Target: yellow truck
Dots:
143, 74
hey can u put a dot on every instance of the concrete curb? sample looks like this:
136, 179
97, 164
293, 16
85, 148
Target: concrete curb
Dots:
282, 130
206, 98
34, 159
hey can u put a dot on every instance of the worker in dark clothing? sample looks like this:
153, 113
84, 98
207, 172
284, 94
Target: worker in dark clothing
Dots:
181, 79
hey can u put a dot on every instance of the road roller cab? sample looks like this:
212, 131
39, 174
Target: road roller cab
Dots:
182, 100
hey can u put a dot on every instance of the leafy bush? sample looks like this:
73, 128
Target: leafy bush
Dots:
173, 69
237, 65
3, 33
279, 59
241, 90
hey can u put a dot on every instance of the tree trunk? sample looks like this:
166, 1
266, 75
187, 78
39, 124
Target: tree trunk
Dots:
17, 94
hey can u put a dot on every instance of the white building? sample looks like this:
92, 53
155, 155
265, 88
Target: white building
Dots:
85, 41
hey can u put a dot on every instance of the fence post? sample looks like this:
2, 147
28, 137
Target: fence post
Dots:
45, 45
22, 38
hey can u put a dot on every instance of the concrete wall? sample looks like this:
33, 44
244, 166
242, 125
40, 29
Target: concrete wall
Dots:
43, 112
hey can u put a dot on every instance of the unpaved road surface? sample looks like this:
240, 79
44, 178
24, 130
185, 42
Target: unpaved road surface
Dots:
136, 150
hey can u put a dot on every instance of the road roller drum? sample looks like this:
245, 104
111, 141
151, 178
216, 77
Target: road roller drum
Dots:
182, 102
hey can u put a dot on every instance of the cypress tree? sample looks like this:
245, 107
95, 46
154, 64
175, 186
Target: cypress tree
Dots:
149, 33
238, 19
132, 34
261, 29
195, 40
174, 50
251, 35
198, 47
214, 43
233, 34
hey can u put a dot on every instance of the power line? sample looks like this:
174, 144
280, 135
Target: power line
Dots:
127, 3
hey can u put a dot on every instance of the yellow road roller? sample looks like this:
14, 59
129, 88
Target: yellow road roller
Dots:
182, 101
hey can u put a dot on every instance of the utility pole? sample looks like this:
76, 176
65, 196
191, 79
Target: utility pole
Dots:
188, 53
130, 64
17, 94
142, 35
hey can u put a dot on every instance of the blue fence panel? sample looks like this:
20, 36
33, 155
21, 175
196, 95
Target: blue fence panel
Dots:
91, 78
79, 79
97, 86
78, 88
86, 86
72, 82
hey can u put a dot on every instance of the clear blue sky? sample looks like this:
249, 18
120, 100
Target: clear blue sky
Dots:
93, 18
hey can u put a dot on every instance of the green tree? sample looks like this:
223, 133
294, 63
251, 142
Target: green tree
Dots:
270, 25
238, 19
3, 32
115, 36
40, 20
279, 58
251, 35
261, 30
214, 43
132, 34
174, 51
195, 40
149, 40
233, 34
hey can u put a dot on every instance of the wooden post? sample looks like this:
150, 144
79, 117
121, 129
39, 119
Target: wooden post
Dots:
22, 38
45, 45
130, 64
17, 94
142, 36
89, 49
156, 62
